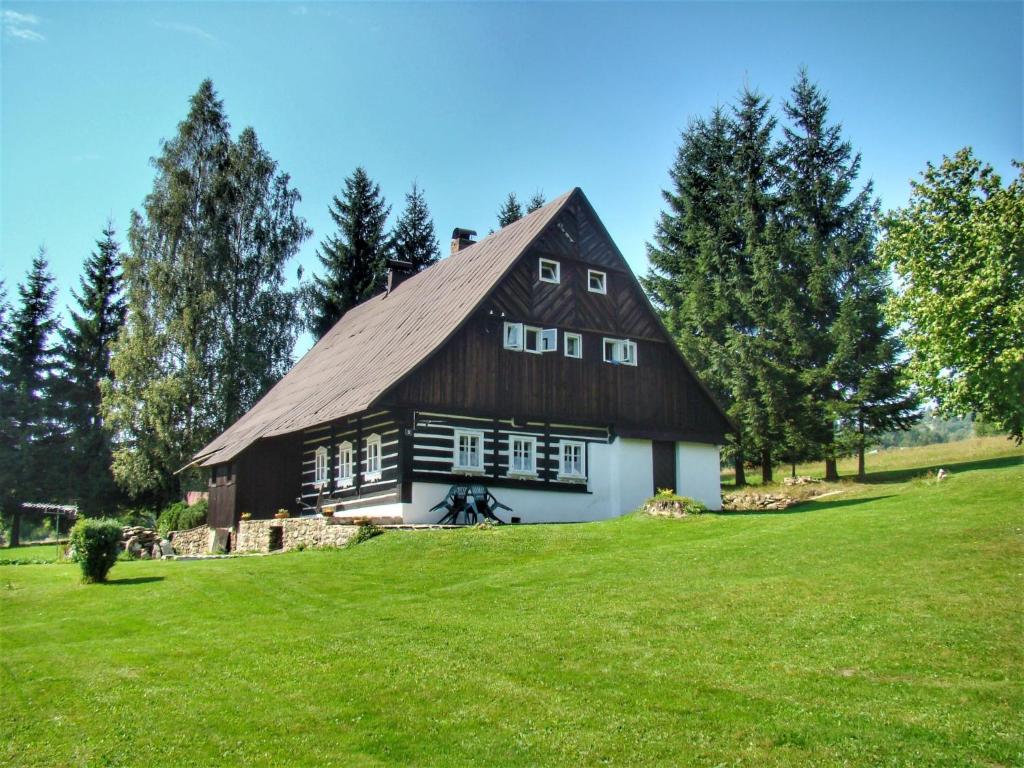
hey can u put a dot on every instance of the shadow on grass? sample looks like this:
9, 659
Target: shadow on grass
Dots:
136, 580
902, 475
807, 505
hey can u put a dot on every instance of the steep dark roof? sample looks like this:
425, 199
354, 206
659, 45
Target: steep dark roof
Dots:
383, 339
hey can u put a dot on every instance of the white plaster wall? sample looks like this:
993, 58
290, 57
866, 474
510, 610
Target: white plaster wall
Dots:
620, 479
698, 473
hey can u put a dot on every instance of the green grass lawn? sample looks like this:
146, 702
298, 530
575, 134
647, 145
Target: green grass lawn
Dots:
882, 626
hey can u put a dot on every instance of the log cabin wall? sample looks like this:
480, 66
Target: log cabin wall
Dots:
269, 476
473, 373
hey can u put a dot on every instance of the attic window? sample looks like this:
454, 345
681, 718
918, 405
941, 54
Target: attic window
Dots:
514, 336
320, 467
573, 345
597, 282
549, 340
620, 351
550, 271
532, 339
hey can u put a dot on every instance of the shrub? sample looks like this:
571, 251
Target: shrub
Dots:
365, 532
684, 504
180, 517
97, 543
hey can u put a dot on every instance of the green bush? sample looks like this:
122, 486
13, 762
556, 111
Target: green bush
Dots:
180, 517
365, 532
97, 543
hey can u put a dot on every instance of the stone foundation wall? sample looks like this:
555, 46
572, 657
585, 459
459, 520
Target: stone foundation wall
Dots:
296, 533
194, 541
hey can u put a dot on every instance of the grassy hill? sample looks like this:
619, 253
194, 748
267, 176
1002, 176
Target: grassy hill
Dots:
882, 626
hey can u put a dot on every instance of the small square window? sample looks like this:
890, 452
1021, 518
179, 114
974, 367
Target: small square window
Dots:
469, 451
514, 336
597, 282
573, 345
549, 340
532, 339
550, 271
522, 455
572, 460
620, 351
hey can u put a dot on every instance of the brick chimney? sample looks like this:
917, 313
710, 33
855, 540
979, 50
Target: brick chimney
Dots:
462, 238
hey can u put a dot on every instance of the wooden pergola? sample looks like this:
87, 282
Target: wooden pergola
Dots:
57, 511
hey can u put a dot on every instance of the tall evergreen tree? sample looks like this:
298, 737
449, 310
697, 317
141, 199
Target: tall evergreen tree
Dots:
85, 352
354, 259
8, 433
413, 237
36, 470
510, 210
209, 324
536, 202
830, 238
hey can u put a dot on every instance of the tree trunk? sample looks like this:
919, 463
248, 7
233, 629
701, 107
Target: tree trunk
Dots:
792, 472
766, 467
861, 474
831, 472
741, 475
15, 529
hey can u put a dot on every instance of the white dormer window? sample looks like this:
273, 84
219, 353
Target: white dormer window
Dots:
522, 455
372, 469
346, 475
597, 282
620, 351
532, 339
572, 456
573, 345
550, 271
469, 451
320, 467
514, 336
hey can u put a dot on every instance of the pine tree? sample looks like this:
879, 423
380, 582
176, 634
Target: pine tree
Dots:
36, 470
510, 210
354, 259
209, 324
85, 351
536, 202
830, 236
8, 432
413, 236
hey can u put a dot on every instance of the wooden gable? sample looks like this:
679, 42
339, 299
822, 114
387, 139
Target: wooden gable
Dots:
473, 373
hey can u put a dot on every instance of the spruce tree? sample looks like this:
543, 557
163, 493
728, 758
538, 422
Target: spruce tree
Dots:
413, 236
8, 433
830, 236
536, 202
209, 324
354, 259
36, 471
510, 210
85, 352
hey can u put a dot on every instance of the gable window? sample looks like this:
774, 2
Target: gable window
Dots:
549, 340
620, 351
597, 282
345, 473
550, 271
572, 460
373, 470
522, 455
573, 345
320, 467
532, 339
514, 336
469, 451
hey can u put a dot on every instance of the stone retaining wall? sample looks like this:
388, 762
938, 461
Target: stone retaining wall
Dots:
296, 533
194, 541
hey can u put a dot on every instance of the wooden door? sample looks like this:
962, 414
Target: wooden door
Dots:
664, 461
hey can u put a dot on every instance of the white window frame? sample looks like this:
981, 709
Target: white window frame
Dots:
513, 336
578, 338
320, 470
549, 340
555, 266
514, 471
475, 435
527, 330
624, 351
371, 472
570, 475
346, 469
591, 273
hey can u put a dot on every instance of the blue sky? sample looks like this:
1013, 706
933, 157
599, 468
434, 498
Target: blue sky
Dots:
472, 101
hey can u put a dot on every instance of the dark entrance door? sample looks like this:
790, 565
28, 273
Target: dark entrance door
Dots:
664, 460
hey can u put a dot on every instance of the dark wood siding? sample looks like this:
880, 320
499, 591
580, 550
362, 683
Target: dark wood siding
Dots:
663, 459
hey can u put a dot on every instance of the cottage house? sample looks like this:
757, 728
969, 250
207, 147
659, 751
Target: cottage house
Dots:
531, 362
